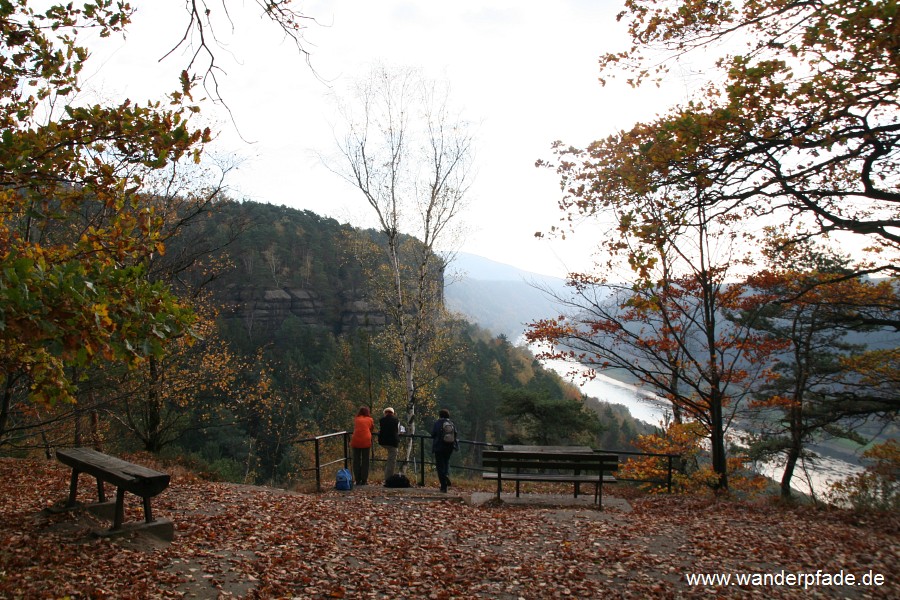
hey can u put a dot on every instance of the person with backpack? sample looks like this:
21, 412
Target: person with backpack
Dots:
361, 444
389, 439
444, 442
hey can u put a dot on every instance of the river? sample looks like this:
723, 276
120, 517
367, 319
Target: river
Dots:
651, 409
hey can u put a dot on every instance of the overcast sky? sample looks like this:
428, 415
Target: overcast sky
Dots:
525, 71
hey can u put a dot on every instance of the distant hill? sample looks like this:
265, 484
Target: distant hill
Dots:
499, 297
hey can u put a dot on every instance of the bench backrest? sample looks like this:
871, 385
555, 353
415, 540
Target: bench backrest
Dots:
137, 479
583, 461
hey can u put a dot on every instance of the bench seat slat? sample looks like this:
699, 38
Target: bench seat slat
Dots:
550, 477
574, 456
515, 464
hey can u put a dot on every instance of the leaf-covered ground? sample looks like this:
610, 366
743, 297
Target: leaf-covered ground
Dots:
240, 541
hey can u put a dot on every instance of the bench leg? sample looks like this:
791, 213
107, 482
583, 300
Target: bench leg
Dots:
73, 489
101, 494
148, 516
499, 485
120, 508
517, 482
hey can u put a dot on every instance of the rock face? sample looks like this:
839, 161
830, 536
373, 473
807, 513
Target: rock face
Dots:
268, 308
356, 314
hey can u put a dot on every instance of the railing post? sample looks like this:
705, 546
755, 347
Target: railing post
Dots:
422, 461
669, 477
318, 468
346, 451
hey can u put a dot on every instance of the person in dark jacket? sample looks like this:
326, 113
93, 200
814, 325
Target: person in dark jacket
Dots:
443, 448
389, 439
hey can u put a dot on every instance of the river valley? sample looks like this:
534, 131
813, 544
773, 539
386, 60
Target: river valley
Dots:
651, 409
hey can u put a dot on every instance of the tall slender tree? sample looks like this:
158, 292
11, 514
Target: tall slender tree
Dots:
410, 156
814, 392
663, 323
797, 123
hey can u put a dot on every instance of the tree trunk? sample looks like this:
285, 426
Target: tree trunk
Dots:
6, 403
792, 457
796, 419
78, 433
96, 439
717, 441
4, 411
153, 412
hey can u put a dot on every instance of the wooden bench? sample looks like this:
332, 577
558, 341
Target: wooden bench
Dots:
127, 477
552, 464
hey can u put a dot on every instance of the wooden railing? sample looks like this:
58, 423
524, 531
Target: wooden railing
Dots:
319, 465
417, 461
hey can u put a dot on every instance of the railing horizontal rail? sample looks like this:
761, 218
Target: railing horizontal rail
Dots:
641, 453
318, 437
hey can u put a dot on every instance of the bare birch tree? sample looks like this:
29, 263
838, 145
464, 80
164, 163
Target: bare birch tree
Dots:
411, 157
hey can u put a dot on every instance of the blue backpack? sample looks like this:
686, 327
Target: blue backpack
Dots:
344, 480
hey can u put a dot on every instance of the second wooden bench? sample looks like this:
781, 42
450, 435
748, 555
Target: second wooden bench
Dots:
565, 467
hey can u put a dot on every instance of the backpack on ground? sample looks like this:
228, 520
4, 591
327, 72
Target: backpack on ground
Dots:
397, 480
344, 480
448, 432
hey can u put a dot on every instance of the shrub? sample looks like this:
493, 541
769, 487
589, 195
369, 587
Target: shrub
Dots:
692, 474
876, 488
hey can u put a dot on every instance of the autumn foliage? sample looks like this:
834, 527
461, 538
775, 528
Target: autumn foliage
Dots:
877, 487
76, 230
678, 449
797, 118
796, 125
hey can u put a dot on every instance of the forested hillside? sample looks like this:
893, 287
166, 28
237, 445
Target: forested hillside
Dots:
276, 264
295, 299
286, 346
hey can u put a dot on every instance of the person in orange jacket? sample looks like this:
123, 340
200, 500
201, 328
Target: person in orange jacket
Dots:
361, 445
